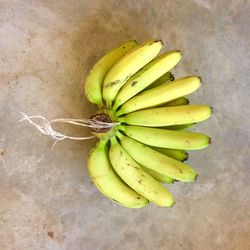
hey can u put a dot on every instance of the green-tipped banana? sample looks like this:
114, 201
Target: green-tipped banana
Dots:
168, 116
107, 181
137, 178
162, 94
159, 177
180, 155
127, 66
164, 138
156, 161
146, 76
167, 77
95, 78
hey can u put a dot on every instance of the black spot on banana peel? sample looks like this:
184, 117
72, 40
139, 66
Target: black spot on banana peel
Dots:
133, 83
110, 84
180, 170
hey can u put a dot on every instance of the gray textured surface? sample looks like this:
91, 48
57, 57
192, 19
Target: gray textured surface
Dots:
46, 198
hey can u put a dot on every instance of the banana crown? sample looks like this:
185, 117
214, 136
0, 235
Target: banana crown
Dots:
142, 121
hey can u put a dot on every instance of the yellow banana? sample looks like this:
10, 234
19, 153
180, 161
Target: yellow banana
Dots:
156, 161
95, 78
176, 102
127, 66
160, 95
107, 181
164, 138
168, 116
180, 155
147, 75
133, 174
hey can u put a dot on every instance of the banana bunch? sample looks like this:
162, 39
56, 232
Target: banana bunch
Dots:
143, 143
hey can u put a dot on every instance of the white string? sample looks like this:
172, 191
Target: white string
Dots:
45, 126
87, 123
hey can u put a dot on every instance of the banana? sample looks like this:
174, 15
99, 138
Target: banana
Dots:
164, 138
167, 77
177, 102
95, 78
180, 155
156, 161
137, 178
168, 116
147, 75
141, 123
108, 182
127, 66
160, 95
159, 177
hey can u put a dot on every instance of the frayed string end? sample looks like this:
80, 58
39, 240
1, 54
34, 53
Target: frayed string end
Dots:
45, 127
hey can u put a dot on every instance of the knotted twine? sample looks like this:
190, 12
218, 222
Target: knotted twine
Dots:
45, 126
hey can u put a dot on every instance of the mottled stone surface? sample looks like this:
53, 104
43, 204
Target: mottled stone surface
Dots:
47, 200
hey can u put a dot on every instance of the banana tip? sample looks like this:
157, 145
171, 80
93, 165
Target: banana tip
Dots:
172, 78
172, 204
156, 41
199, 77
209, 140
160, 41
178, 51
196, 177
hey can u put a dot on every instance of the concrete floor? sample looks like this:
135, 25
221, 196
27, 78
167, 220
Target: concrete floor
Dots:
47, 200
